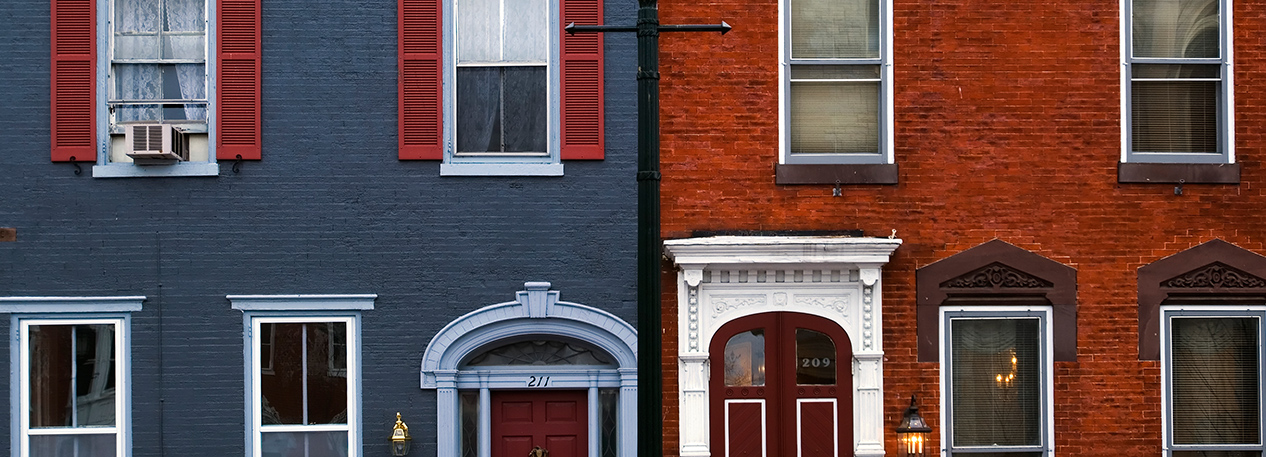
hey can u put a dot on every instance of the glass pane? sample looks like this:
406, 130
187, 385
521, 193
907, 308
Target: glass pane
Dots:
478, 109
501, 109
134, 16
1176, 28
834, 72
525, 109
304, 444
607, 401
815, 358
1183, 71
73, 445
159, 82
470, 424
478, 31
825, 29
72, 375
541, 352
835, 117
185, 15
304, 388
1215, 380
1174, 116
526, 37
996, 378
1217, 454
745, 359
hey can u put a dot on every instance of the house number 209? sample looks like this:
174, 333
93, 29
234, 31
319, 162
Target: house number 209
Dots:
815, 362
538, 381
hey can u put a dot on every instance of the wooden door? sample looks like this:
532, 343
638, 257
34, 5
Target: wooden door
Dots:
781, 386
555, 420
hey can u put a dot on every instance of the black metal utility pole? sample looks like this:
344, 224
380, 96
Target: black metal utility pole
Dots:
650, 419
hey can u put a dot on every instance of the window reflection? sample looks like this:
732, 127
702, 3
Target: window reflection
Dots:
72, 375
815, 358
745, 359
308, 384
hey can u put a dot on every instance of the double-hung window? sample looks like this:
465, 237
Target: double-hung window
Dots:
1212, 381
73, 387
1177, 82
502, 107
836, 82
996, 375
303, 385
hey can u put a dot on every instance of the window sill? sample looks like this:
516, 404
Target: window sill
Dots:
885, 173
1175, 173
127, 170
501, 169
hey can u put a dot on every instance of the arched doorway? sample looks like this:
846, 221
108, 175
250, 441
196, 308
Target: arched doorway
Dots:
534, 372
781, 388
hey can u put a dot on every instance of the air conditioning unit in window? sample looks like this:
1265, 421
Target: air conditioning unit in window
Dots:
156, 144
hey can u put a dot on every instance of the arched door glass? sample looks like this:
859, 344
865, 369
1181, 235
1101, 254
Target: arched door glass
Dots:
815, 358
745, 359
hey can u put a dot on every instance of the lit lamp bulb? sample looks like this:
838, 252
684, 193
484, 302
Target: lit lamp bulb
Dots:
912, 432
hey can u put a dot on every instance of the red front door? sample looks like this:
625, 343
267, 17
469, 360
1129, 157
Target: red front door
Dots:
554, 420
781, 387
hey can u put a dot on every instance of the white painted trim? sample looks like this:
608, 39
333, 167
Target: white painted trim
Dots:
1169, 312
71, 304
20, 382
764, 421
835, 418
358, 302
128, 170
1044, 314
839, 279
501, 169
253, 407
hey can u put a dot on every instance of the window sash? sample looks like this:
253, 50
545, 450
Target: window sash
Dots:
158, 62
120, 390
349, 377
1179, 442
1040, 368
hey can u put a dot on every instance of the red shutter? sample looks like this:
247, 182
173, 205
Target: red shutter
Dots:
582, 83
420, 104
238, 80
74, 84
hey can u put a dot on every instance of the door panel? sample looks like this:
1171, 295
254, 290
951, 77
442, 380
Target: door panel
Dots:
798, 367
556, 420
745, 428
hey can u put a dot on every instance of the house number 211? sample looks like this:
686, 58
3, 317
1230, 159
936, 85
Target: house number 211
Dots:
538, 381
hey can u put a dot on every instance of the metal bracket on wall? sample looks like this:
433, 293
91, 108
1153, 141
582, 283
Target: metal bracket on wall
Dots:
78, 171
1178, 188
237, 164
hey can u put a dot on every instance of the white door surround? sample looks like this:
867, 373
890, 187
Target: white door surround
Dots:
721, 279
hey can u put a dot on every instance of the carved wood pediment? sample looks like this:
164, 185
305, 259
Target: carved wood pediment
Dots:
996, 275
1216, 275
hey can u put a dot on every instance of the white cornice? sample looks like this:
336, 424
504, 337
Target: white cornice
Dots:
776, 250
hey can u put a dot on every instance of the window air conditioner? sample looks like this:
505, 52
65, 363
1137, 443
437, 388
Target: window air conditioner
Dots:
150, 144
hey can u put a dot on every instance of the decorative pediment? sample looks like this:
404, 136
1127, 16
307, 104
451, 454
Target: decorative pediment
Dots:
996, 275
1216, 275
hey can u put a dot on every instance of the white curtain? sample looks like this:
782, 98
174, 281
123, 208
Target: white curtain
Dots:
142, 35
188, 16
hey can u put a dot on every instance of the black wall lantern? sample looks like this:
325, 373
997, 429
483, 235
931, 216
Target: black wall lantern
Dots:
912, 433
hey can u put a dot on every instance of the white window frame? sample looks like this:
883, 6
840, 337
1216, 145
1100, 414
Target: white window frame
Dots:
1226, 100
496, 164
1168, 313
105, 168
259, 309
27, 311
1043, 314
885, 153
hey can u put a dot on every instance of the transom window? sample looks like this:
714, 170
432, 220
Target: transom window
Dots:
835, 86
1178, 87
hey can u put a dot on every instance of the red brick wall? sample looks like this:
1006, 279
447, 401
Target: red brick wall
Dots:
1007, 126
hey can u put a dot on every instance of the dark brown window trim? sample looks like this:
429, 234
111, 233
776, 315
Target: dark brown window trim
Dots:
884, 173
997, 273
1175, 173
1213, 273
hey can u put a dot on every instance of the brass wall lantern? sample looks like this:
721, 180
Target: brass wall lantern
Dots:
400, 438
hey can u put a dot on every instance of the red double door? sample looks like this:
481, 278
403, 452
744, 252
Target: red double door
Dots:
554, 420
781, 386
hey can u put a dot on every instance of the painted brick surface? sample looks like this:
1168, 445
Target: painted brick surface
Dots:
1007, 126
329, 210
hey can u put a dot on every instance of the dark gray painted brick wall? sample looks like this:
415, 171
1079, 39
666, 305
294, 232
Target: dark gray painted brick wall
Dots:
328, 210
